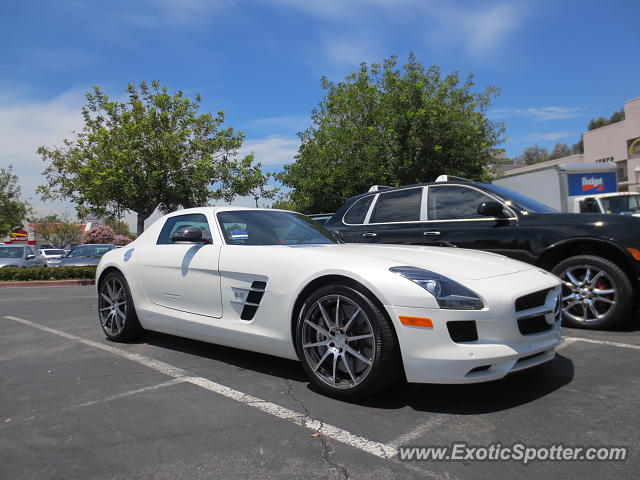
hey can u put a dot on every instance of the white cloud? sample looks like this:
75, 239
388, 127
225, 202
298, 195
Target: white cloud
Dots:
538, 113
549, 136
27, 125
272, 150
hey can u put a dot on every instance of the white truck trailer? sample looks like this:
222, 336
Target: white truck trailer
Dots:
575, 187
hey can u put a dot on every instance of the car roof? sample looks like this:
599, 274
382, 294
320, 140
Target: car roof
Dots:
417, 185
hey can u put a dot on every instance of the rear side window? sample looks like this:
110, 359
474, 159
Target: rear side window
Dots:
358, 211
449, 202
190, 220
400, 206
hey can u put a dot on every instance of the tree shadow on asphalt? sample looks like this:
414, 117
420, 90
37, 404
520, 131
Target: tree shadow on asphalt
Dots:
512, 391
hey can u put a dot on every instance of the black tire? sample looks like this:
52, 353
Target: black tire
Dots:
613, 279
116, 311
352, 378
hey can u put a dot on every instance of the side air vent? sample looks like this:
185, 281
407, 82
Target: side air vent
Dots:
250, 298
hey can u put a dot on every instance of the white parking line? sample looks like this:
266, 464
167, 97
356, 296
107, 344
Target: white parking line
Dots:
378, 449
131, 392
419, 430
601, 342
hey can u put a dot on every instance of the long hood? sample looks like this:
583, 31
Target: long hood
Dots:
452, 262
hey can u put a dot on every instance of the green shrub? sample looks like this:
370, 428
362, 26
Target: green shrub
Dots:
12, 274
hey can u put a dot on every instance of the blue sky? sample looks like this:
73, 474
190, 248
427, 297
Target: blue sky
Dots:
559, 63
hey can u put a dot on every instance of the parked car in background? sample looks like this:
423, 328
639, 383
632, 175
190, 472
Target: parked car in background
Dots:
597, 256
321, 218
83, 255
21, 256
52, 253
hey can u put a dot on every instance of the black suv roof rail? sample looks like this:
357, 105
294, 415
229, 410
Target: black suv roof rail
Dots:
447, 178
377, 188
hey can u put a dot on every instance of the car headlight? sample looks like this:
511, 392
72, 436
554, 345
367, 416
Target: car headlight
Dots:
448, 293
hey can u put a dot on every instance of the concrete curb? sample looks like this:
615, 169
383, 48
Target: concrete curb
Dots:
47, 283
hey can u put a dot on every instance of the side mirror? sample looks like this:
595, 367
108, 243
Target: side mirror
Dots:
189, 235
491, 209
338, 235
31, 256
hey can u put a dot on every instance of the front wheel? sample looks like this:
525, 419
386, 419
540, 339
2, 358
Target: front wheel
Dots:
596, 293
117, 313
346, 344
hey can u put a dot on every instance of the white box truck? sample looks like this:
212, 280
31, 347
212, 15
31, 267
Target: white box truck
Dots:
576, 188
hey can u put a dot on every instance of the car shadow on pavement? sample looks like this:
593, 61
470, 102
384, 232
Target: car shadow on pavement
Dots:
469, 399
516, 389
258, 362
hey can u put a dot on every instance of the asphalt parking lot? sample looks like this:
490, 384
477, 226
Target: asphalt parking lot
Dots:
73, 405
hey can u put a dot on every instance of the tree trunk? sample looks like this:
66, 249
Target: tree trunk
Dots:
140, 226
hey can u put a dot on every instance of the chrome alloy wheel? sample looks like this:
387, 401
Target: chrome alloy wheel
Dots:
588, 293
112, 306
338, 341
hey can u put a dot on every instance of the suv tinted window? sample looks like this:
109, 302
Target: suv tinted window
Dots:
189, 220
399, 206
450, 202
358, 211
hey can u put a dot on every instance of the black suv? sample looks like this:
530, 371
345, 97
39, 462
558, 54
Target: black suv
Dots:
597, 256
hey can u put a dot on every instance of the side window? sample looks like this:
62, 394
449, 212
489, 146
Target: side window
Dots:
190, 220
589, 205
449, 202
358, 211
399, 206
30, 251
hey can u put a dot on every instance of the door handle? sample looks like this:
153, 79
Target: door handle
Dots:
431, 233
369, 234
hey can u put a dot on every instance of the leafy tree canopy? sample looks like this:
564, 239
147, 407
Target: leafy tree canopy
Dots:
533, 154
13, 210
559, 151
156, 150
57, 230
391, 126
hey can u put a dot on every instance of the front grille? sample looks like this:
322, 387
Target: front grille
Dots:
532, 300
462, 331
534, 324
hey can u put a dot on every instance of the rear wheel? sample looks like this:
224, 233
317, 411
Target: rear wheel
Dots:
116, 311
596, 293
346, 344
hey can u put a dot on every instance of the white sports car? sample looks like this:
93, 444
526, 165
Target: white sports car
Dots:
356, 316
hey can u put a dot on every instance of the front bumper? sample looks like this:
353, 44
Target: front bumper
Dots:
431, 356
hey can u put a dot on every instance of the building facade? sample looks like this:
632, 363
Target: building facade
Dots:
618, 143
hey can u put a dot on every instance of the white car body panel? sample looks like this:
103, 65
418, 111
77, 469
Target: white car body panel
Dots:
197, 291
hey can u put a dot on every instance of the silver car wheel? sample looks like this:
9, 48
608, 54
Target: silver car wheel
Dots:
338, 341
588, 293
112, 306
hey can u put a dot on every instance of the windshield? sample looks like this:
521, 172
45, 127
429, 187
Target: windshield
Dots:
622, 205
89, 251
519, 200
10, 252
255, 227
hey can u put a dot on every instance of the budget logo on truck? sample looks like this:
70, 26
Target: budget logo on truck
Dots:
587, 183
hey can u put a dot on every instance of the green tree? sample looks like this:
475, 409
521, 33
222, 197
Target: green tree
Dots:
58, 231
118, 226
154, 151
559, 151
13, 210
384, 125
533, 154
